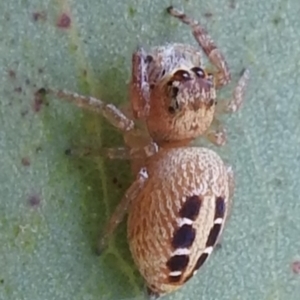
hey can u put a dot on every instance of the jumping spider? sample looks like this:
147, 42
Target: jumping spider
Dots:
179, 189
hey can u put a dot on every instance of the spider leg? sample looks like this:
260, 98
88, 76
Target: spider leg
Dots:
234, 104
139, 87
122, 208
207, 44
107, 110
216, 133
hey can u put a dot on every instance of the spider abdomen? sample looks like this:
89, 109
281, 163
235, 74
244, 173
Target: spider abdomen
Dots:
175, 221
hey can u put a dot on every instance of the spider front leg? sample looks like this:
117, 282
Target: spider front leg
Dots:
122, 208
107, 110
139, 86
133, 137
207, 44
217, 133
233, 105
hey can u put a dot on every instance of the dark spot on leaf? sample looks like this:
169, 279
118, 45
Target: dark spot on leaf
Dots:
132, 11
213, 235
25, 161
34, 200
1, 281
68, 151
276, 20
38, 149
218, 246
278, 182
64, 21
178, 262
296, 267
12, 74
39, 99
24, 112
27, 81
208, 15
39, 16
190, 208
232, 4
184, 237
18, 89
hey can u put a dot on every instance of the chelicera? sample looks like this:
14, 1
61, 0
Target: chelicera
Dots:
181, 197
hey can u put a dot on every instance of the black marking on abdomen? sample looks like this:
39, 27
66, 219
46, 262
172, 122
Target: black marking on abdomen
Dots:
213, 235
178, 262
220, 207
218, 221
201, 260
190, 208
184, 237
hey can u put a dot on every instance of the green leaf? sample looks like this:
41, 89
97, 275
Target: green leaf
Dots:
53, 206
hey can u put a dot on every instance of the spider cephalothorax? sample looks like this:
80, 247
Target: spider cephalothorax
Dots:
182, 105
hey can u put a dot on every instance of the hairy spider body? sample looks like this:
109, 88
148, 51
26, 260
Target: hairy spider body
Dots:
181, 197
178, 216
180, 103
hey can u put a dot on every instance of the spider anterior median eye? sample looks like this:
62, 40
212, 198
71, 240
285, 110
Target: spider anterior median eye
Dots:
181, 75
199, 72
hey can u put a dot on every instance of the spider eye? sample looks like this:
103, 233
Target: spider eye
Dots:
181, 75
199, 72
148, 59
